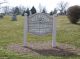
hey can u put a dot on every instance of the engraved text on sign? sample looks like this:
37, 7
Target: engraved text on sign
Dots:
40, 24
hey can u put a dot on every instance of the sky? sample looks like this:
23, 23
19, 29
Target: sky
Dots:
48, 4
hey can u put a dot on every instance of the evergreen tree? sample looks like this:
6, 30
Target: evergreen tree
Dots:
55, 11
28, 12
16, 11
23, 13
33, 10
44, 10
51, 13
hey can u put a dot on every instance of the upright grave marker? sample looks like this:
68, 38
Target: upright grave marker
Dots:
14, 18
40, 24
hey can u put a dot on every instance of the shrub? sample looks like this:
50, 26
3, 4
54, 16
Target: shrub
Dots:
33, 10
73, 14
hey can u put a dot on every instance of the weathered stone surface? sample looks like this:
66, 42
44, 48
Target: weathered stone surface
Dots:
40, 24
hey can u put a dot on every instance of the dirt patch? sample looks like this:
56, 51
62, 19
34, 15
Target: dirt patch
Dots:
44, 48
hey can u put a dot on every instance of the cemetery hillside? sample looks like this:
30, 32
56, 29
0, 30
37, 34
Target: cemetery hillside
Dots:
39, 29
11, 35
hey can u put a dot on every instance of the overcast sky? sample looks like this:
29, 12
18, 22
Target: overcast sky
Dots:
49, 4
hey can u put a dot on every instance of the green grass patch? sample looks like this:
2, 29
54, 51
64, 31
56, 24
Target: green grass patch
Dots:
12, 32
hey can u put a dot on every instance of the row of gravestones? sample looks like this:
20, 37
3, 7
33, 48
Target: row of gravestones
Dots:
14, 18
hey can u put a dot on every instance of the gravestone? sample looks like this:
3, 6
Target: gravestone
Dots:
1, 16
14, 18
40, 24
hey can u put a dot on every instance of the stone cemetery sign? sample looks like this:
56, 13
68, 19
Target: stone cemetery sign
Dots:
40, 24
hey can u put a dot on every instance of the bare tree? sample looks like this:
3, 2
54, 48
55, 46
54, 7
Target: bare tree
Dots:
62, 7
6, 9
15, 10
22, 9
44, 10
2, 2
53, 12
40, 8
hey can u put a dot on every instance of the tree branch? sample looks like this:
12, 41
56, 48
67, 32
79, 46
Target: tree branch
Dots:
3, 2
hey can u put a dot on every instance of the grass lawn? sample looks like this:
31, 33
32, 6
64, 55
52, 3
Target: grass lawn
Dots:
12, 32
